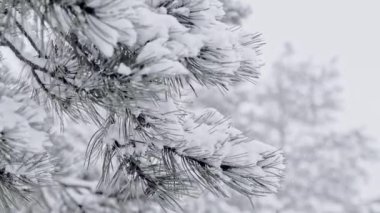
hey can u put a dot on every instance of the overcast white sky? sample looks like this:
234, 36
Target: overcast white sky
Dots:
348, 29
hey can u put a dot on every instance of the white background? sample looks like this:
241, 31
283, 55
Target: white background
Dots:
347, 29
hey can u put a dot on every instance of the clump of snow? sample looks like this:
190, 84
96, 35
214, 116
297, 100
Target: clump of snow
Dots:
123, 69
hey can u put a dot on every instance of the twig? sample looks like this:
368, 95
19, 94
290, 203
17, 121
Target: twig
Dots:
23, 31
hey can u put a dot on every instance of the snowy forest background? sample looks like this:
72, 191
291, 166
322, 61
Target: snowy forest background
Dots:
299, 105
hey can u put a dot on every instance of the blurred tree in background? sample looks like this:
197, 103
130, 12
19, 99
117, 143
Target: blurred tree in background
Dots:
373, 206
297, 110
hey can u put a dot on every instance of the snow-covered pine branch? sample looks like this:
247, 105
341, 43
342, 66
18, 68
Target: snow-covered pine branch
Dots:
126, 66
24, 165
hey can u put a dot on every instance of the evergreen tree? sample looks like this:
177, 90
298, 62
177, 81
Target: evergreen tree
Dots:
128, 66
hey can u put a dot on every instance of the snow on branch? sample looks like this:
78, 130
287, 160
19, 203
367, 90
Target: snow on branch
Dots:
128, 67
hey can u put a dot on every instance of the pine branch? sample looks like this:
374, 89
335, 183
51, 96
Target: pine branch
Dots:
154, 181
129, 79
25, 175
212, 178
